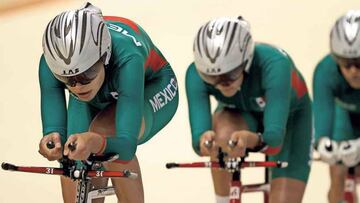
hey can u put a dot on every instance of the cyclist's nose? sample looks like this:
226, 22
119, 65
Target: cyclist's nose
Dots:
354, 69
76, 87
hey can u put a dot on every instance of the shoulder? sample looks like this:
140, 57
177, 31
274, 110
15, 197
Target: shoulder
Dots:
192, 76
42, 62
327, 79
326, 65
43, 66
128, 39
193, 82
119, 23
126, 44
126, 32
191, 69
269, 59
191, 73
327, 73
266, 52
46, 77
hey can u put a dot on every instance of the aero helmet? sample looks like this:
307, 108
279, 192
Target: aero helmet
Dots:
75, 40
222, 46
345, 36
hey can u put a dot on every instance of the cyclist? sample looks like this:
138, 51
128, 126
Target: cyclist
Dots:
336, 87
263, 105
122, 92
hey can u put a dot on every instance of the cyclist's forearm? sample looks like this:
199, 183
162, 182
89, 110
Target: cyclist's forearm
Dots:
124, 146
61, 131
273, 138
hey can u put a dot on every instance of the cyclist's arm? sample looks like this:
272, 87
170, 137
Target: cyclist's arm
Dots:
199, 106
129, 107
342, 129
324, 103
80, 115
276, 79
53, 103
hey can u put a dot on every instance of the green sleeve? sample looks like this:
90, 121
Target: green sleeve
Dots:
276, 79
343, 129
324, 103
199, 106
80, 115
53, 103
129, 107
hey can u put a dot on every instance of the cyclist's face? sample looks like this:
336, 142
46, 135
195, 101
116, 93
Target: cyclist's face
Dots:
351, 75
88, 92
230, 88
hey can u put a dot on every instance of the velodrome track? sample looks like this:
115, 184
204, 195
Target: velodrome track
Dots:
299, 27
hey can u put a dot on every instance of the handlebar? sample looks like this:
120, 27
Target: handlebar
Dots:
75, 174
209, 143
51, 145
232, 143
69, 166
229, 165
232, 164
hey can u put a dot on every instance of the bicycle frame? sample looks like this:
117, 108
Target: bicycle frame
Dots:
84, 192
234, 166
237, 188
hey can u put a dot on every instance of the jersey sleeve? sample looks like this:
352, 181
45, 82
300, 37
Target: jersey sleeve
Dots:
129, 107
342, 128
324, 103
198, 106
277, 84
80, 115
53, 102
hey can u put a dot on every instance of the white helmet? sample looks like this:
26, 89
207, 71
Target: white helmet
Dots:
222, 45
75, 40
345, 35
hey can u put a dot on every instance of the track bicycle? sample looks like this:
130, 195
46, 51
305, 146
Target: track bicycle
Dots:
91, 168
234, 166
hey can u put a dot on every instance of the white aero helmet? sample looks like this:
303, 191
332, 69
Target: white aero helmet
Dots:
222, 46
345, 35
75, 40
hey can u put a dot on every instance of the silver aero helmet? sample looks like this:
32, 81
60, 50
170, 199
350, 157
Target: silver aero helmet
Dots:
75, 40
345, 36
223, 49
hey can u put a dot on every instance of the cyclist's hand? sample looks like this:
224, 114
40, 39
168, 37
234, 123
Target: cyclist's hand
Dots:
328, 150
207, 143
51, 154
85, 144
349, 152
241, 140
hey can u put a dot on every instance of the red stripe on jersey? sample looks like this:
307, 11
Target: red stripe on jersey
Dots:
272, 150
154, 61
126, 21
298, 84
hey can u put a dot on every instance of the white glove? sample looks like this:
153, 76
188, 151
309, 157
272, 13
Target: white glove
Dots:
349, 152
328, 150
